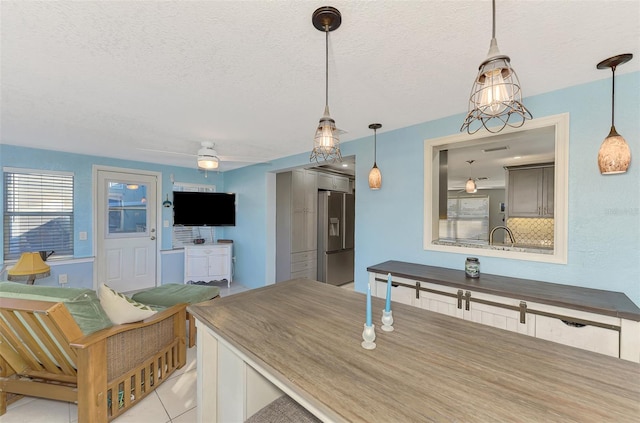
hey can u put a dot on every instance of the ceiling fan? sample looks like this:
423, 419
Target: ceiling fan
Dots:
207, 157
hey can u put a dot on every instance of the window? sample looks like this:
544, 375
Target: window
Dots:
38, 212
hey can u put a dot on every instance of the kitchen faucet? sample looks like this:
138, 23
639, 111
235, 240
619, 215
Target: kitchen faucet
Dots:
513, 240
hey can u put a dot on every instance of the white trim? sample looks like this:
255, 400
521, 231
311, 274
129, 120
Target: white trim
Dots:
561, 192
37, 171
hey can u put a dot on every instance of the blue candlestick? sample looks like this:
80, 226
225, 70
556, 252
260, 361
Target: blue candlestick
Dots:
387, 306
369, 304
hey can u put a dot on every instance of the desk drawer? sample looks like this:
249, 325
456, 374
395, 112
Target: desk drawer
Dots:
304, 256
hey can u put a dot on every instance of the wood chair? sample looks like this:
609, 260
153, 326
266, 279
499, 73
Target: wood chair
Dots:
43, 353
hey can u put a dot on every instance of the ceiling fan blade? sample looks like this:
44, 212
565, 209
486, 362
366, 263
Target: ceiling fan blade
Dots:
151, 150
241, 159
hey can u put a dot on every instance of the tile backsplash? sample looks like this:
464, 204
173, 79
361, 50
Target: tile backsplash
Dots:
532, 231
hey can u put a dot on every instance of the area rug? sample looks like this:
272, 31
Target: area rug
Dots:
283, 410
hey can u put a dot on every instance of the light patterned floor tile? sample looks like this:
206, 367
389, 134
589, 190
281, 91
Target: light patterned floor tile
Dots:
36, 410
178, 394
190, 416
150, 410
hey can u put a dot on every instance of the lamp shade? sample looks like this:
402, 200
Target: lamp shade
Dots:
29, 267
470, 186
375, 177
614, 155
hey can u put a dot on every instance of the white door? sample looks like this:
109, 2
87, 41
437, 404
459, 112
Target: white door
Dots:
126, 230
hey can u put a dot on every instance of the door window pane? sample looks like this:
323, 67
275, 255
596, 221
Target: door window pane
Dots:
127, 209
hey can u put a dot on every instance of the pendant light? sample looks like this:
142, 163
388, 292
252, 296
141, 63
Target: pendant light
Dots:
496, 98
326, 144
470, 187
375, 177
614, 155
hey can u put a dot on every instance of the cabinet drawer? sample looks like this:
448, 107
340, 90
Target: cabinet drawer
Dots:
310, 273
588, 337
303, 265
304, 256
199, 252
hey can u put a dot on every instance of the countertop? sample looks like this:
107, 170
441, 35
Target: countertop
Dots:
598, 301
432, 367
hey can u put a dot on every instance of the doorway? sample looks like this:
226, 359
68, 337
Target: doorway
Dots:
125, 219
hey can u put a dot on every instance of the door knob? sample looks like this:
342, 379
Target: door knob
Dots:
153, 238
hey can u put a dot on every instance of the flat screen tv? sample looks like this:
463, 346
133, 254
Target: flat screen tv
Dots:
204, 208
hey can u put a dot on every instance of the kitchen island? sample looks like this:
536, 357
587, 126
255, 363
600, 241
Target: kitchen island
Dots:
302, 338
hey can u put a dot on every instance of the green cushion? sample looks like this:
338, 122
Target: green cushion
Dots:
83, 304
176, 293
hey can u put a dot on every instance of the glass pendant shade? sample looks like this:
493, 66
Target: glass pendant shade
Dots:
375, 177
496, 98
614, 155
470, 186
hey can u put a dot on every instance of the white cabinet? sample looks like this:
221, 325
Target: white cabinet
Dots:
530, 191
588, 331
499, 312
296, 224
208, 263
333, 182
402, 290
441, 299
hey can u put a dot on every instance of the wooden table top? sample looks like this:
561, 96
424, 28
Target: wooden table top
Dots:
432, 367
599, 301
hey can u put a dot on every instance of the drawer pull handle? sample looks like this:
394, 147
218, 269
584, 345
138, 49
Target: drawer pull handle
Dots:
573, 324
460, 294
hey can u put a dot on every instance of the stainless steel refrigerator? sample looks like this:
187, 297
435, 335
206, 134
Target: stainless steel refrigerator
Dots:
336, 216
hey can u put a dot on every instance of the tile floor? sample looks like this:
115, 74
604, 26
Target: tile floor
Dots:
172, 402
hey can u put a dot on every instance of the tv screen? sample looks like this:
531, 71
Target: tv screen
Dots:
204, 208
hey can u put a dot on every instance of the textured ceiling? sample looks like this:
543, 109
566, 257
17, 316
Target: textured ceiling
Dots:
110, 78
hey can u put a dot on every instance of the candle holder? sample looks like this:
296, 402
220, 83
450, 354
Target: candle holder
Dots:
369, 335
387, 321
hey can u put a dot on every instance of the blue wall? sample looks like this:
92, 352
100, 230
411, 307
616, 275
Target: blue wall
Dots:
604, 211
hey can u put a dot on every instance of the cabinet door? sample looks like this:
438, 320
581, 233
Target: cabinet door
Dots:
500, 317
587, 337
548, 191
400, 294
219, 265
525, 193
196, 267
341, 183
325, 181
440, 303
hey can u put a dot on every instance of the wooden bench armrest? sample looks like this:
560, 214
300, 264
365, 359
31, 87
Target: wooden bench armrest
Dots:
177, 311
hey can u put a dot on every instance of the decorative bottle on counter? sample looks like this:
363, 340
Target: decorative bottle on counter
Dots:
472, 267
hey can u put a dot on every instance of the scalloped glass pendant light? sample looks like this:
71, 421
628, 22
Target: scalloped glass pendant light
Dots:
496, 98
614, 155
326, 145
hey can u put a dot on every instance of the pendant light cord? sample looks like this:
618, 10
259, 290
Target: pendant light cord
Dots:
613, 93
493, 30
375, 144
326, 67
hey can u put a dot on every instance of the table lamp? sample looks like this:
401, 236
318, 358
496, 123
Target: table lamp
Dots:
29, 267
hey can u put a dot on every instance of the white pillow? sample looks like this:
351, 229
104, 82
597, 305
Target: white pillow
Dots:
122, 309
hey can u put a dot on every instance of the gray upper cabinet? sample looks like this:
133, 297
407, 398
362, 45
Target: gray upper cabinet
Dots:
530, 191
333, 182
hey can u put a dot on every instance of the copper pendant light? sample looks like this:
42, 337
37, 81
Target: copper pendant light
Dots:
614, 155
326, 144
375, 177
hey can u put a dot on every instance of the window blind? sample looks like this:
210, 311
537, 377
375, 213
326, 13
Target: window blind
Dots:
38, 213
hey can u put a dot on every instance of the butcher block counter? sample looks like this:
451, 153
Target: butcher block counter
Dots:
304, 337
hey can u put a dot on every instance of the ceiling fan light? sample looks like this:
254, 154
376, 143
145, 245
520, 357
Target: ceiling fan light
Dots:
470, 186
614, 155
208, 162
